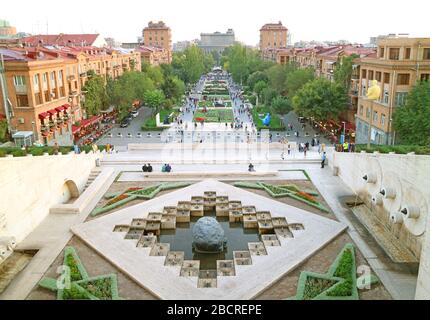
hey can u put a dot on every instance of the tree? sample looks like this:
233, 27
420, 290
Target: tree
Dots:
281, 105
173, 88
269, 94
412, 121
277, 76
320, 99
95, 94
343, 72
256, 77
190, 64
259, 87
296, 79
154, 99
156, 75
3, 130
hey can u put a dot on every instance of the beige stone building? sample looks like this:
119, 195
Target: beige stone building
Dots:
273, 36
153, 56
399, 64
6, 30
158, 34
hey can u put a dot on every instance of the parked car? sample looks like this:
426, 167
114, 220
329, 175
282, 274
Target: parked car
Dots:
139, 135
129, 118
134, 114
125, 123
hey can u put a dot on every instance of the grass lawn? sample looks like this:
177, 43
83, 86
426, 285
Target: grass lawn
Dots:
220, 116
210, 104
151, 123
276, 124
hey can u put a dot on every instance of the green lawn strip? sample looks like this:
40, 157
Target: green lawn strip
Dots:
276, 123
175, 185
111, 195
103, 287
248, 185
315, 204
311, 285
294, 188
77, 269
213, 115
115, 205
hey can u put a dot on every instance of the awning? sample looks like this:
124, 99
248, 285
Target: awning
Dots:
43, 115
52, 112
90, 121
75, 129
66, 106
330, 62
59, 109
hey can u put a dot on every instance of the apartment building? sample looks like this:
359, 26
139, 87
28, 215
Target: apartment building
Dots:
158, 34
153, 56
216, 41
273, 36
44, 86
399, 64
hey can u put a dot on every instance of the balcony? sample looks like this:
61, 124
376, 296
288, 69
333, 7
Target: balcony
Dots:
71, 78
83, 75
73, 93
21, 89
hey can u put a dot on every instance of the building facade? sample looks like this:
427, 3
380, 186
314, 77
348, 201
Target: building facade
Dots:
273, 36
397, 67
216, 41
153, 56
158, 34
44, 86
6, 30
69, 40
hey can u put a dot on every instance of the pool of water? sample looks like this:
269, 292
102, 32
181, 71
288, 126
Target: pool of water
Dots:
181, 239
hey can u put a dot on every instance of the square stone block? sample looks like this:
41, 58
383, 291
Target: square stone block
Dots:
265, 226
257, 249
210, 195
263, 215
284, 233
146, 241
222, 210
190, 268
183, 216
138, 223
235, 205
270, 240
225, 268
250, 221
168, 222
153, 227
154, 217
249, 210
121, 228
235, 216
184, 205
169, 211
160, 249
222, 199
174, 259
207, 279
197, 200
134, 234
242, 258
279, 222
296, 227
197, 210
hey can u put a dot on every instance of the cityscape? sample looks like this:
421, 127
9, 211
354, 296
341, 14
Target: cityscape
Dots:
210, 168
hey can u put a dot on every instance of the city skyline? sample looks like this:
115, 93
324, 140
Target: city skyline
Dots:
333, 19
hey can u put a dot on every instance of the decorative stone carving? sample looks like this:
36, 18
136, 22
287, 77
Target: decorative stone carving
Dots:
410, 212
377, 199
370, 177
208, 236
388, 193
396, 217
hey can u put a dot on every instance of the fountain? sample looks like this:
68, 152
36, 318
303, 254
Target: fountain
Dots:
208, 236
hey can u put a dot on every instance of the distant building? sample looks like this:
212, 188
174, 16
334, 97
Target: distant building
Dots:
112, 43
154, 55
159, 35
66, 40
273, 36
6, 30
216, 41
182, 45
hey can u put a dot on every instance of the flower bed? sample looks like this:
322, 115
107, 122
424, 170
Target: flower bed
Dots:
81, 286
117, 199
214, 116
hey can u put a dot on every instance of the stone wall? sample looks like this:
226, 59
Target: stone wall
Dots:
405, 179
30, 186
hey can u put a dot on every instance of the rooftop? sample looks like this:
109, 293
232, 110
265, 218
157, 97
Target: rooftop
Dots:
61, 39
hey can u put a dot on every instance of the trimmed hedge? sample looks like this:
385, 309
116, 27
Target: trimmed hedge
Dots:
39, 151
398, 149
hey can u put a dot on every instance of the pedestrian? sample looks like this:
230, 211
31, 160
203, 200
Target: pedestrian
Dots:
75, 148
323, 159
305, 150
149, 167
289, 149
145, 168
56, 148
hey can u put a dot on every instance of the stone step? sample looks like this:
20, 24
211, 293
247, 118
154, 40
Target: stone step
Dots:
13, 265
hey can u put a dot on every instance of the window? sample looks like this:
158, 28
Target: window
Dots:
378, 76
36, 82
386, 98
426, 55
45, 77
60, 78
401, 98
364, 74
19, 81
386, 78
394, 53
361, 110
363, 90
425, 77
370, 75
403, 79
375, 116
407, 53
367, 113
381, 52
382, 119
22, 101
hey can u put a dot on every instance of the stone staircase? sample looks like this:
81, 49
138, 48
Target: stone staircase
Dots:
93, 175
10, 268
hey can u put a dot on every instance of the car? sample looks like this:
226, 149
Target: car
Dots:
129, 118
109, 135
134, 114
125, 123
139, 135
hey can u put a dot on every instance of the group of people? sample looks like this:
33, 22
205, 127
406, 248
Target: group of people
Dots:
166, 168
147, 168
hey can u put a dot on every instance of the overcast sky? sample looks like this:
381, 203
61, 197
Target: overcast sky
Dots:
318, 20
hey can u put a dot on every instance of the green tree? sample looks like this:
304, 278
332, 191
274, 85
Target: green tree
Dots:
281, 105
277, 76
321, 99
154, 99
3, 130
156, 75
259, 87
173, 88
412, 121
256, 77
343, 72
190, 64
269, 94
296, 79
96, 98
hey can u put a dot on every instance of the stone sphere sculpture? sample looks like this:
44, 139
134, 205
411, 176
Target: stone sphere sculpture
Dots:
208, 236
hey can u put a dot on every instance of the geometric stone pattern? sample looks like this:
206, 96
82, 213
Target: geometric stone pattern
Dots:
159, 271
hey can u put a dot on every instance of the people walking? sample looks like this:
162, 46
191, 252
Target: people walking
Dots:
323, 159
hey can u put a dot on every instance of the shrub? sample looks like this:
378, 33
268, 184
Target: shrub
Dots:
18, 153
75, 275
2, 153
37, 151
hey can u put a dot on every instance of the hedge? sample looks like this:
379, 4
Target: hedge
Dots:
398, 149
39, 151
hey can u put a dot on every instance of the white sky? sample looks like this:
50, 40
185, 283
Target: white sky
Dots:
318, 20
